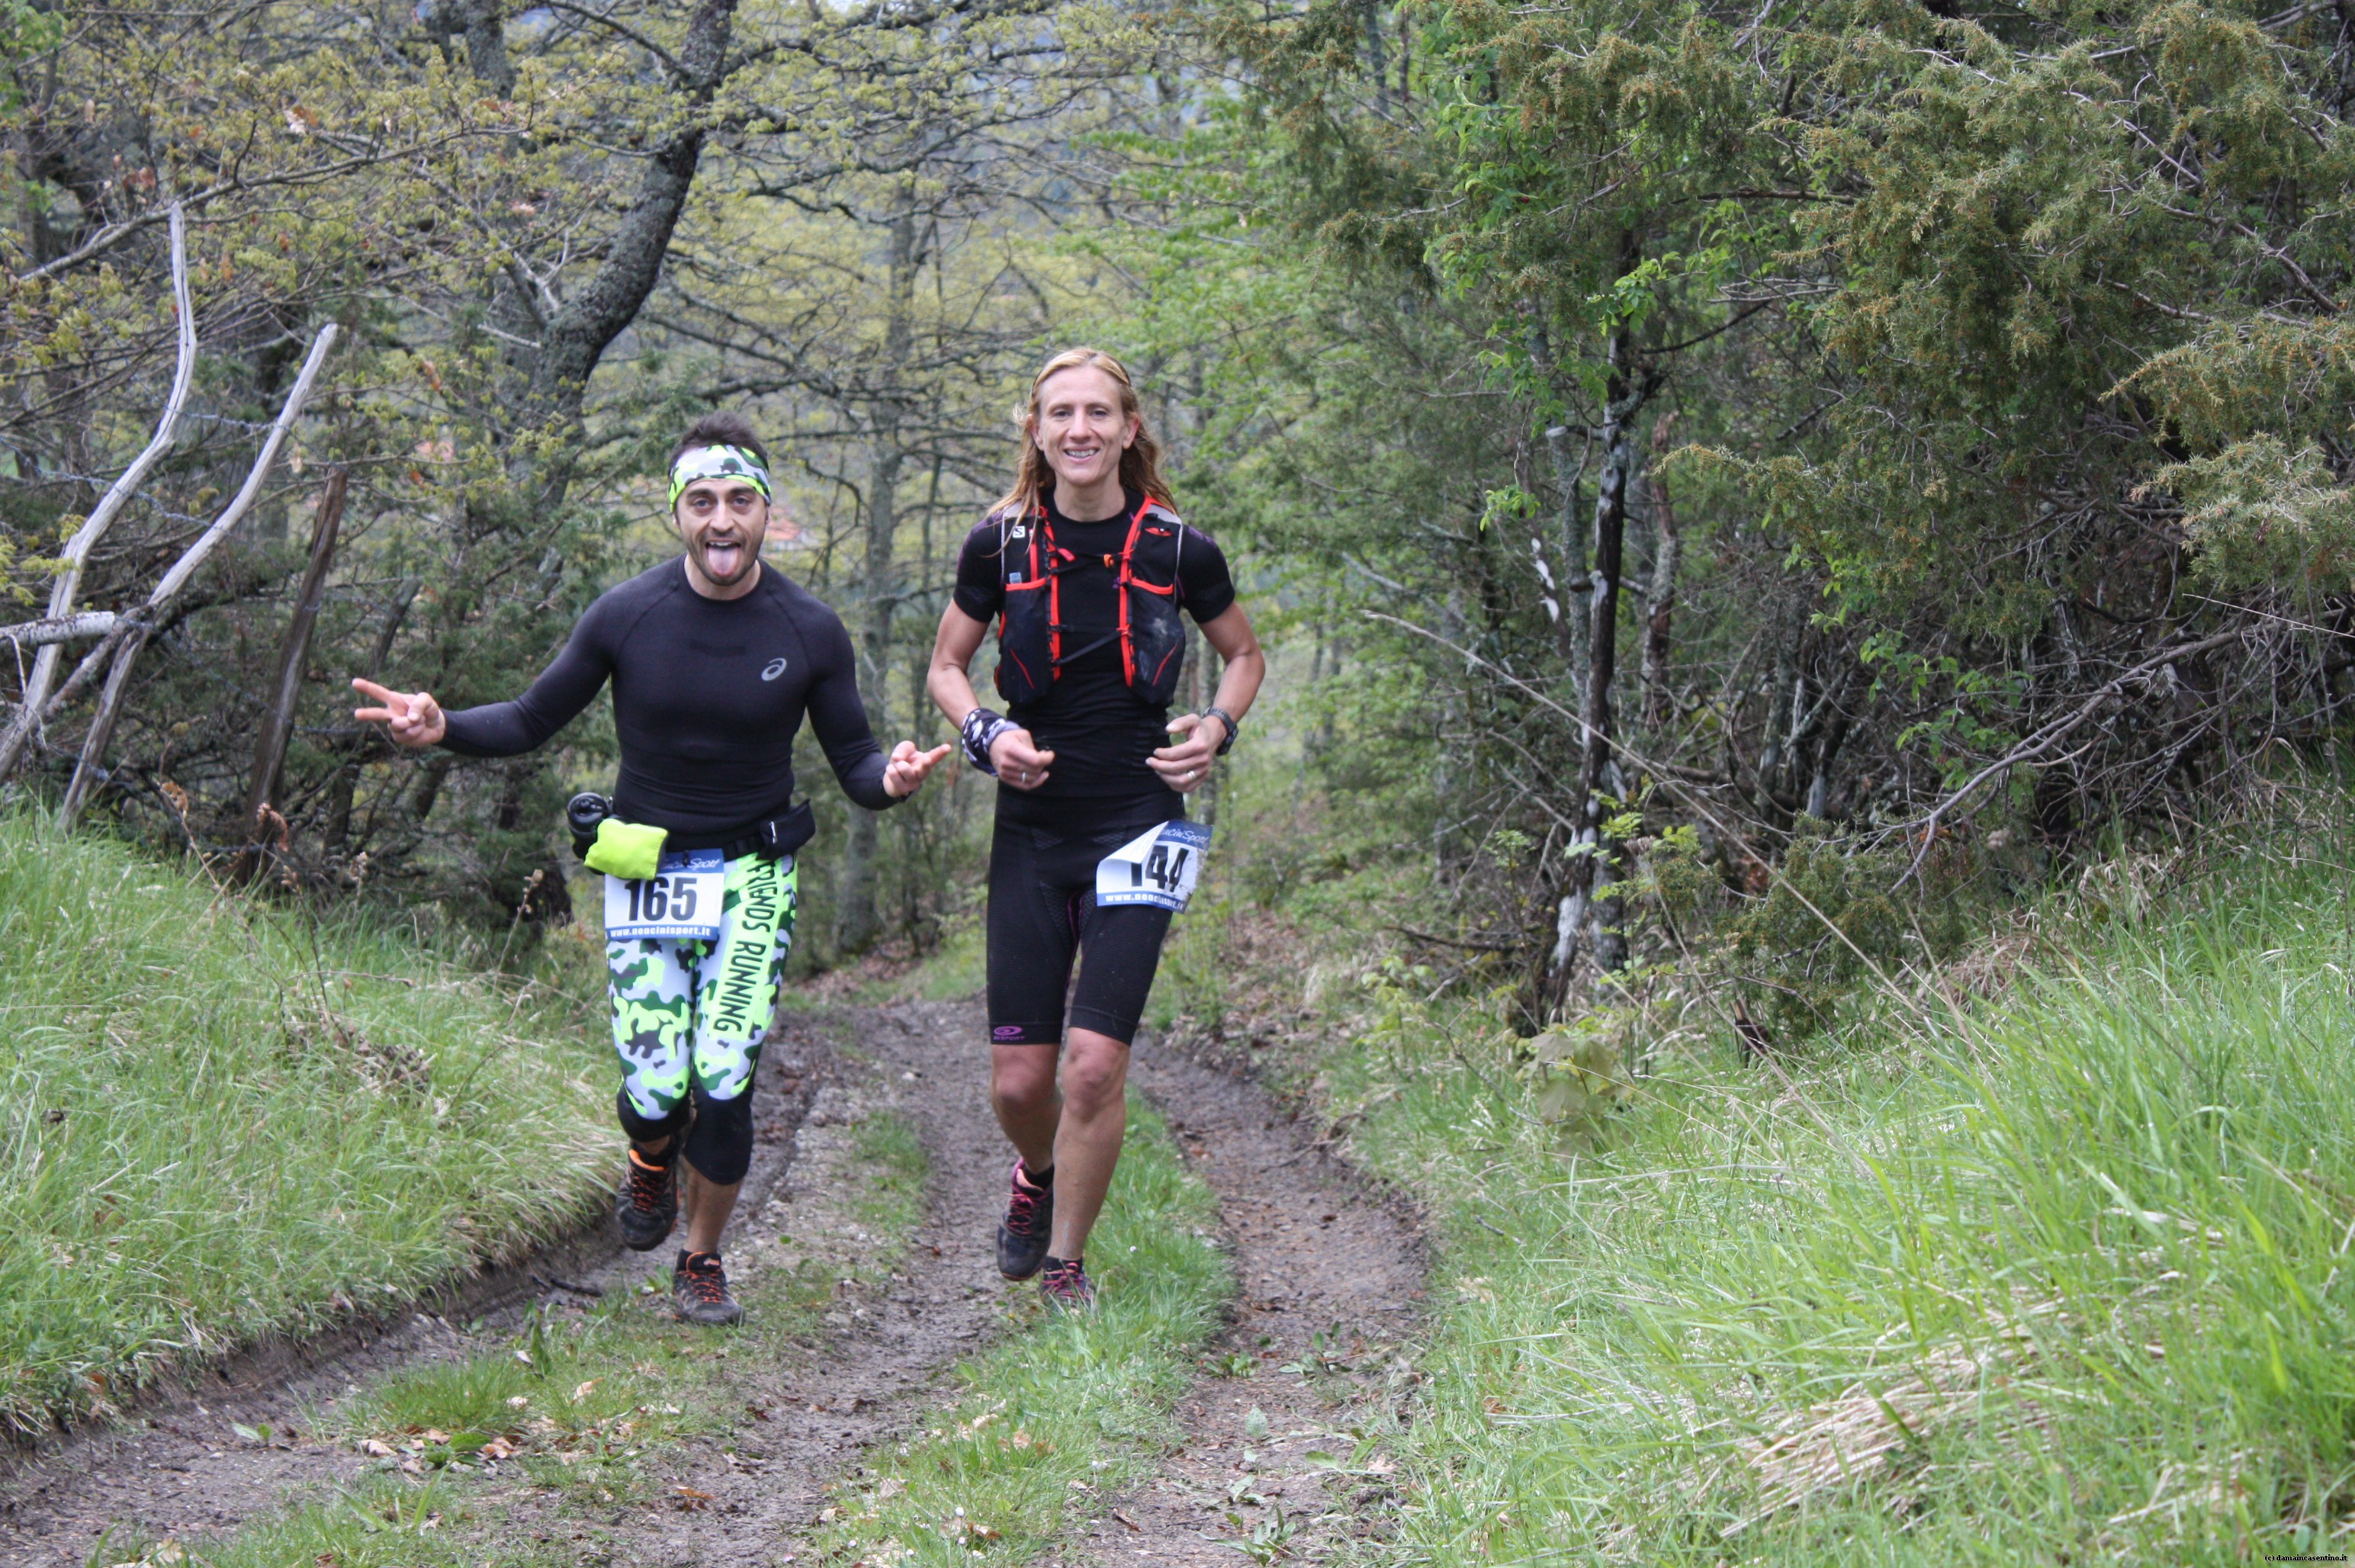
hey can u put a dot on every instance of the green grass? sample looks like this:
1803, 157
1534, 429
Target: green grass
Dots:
1072, 1400
2068, 1281
219, 1121
892, 1166
574, 1402
954, 970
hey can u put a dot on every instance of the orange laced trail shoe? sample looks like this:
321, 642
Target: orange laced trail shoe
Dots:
1030, 1215
1066, 1285
647, 1206
699, 1290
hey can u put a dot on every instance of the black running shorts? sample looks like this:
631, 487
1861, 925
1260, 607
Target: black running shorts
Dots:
1043, 913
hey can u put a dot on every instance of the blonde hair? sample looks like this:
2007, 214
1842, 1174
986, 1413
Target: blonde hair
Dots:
1140, 461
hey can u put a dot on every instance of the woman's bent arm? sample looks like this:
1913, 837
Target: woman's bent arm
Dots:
1013, 756
953, 649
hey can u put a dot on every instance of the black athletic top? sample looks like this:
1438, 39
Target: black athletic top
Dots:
708, 696
1100, 730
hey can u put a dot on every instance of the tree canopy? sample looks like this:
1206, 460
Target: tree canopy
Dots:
1897, 420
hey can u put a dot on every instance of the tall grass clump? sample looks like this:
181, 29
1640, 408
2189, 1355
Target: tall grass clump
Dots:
220, 1120
2064, 1278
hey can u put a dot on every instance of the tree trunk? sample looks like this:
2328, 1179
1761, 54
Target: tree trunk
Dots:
578, 334
336, 824
1602, 774
85, 778
1790, 689
431, 774
486, 47
1819, 788
1575, 628
136, 627
34, 697
1660, 597
1598, 774
278, 723
856, 925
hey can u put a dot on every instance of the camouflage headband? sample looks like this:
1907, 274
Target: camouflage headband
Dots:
717, 463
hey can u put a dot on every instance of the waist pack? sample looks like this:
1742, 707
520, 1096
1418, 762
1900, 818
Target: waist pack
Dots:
632, 851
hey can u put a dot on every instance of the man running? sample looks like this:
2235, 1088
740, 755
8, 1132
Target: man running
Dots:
1085, 566
714, 661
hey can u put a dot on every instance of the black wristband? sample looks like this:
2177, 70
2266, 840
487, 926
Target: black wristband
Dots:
980, 729
1234, 727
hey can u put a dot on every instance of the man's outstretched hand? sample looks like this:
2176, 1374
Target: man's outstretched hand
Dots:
905, 773
413, 717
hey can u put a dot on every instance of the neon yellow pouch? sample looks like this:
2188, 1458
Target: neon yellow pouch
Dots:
627, 849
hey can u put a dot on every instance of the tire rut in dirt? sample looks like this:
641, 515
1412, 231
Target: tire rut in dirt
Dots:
181, 1471
867, 1381
1331, 1275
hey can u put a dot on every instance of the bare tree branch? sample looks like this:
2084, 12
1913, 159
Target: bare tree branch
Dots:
110, 505
140, 624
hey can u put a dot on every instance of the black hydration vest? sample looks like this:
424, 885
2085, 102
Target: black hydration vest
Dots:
1030, 564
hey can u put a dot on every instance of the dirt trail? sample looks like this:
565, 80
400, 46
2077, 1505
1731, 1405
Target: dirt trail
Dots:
865, 1382
182, 1470
1317, 1254
1331, 1275
178, 1467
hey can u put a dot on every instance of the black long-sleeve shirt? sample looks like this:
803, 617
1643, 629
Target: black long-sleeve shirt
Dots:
709, 695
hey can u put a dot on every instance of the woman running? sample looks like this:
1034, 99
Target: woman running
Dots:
1086, 566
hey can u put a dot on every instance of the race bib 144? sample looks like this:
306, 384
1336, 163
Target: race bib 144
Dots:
681, 899
1157, 866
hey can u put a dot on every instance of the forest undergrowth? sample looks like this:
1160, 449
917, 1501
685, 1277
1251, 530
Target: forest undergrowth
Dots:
2041, 1256
225, 1119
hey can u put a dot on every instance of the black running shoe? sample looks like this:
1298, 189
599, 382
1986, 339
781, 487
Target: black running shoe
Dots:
1030, 1215
1068, 1286
698, 1289
647, 1205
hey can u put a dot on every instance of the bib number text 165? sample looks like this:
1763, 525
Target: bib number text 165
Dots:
657, 898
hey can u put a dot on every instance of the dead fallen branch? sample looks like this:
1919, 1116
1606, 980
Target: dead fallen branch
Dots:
51, 630
2045, 739
30, 711
132, 632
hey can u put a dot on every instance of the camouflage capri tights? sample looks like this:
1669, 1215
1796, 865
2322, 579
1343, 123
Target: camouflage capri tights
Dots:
689, 1017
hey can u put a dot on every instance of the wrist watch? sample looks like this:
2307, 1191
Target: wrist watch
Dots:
1234, 727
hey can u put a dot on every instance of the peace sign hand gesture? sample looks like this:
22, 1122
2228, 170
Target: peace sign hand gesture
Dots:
413, 717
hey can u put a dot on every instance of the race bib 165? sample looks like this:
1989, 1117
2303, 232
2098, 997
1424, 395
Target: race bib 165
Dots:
682, 898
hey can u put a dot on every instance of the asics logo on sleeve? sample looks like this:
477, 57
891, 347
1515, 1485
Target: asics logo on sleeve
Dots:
776, 667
